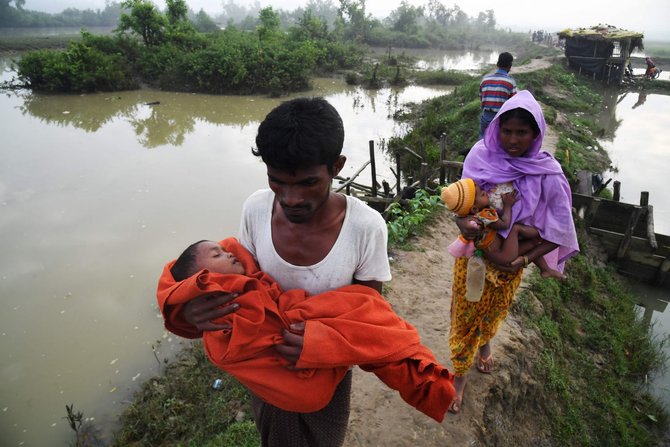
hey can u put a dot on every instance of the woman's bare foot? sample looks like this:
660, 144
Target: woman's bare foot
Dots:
459, 387
484, 361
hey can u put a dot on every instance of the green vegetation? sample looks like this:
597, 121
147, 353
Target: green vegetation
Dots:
274, 53
181, 408
409, 220
164, 50
595, 358
456, 116
597, 352
29, 43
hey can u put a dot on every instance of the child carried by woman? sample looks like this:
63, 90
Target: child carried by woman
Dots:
466, 198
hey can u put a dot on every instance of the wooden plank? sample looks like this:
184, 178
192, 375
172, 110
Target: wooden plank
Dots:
452, 164
617, 190
351, 179
650, 228
610, 242
584, 184
373, 168
443, 154
591, 212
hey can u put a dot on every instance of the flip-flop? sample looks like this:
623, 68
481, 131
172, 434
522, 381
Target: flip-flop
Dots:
485, 366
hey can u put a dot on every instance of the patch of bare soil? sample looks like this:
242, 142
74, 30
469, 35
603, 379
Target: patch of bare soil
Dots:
500, 409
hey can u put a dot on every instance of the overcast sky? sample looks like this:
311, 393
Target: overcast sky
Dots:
648, 16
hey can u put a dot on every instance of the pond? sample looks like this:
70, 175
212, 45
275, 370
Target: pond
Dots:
97, 192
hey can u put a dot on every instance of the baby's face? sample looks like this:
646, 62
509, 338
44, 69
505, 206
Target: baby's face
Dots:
210, 256
481, 200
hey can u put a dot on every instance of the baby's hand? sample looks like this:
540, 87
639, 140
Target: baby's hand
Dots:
510, 198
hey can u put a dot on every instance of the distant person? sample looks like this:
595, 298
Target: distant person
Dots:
495, 89
652, 71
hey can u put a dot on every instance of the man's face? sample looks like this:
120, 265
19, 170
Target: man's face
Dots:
302, 192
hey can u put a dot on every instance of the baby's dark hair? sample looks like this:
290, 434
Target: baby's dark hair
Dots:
522, 115
185, 265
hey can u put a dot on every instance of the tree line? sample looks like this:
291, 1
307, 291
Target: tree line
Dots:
274, 53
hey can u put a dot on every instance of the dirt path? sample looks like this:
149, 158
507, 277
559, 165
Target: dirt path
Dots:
420, 292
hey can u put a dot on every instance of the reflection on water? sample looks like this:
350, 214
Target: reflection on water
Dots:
97, 191
654, 308
469, 61
636, 140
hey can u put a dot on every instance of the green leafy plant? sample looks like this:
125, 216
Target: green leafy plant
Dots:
406, 221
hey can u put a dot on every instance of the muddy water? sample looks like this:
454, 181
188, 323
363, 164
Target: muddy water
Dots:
96, 193
637, 142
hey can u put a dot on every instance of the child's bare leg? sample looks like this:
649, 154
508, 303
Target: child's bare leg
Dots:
512, 247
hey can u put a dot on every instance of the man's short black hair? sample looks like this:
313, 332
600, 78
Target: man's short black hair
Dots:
505, 60
300, 133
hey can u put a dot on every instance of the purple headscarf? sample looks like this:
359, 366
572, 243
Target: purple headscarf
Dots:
545, 197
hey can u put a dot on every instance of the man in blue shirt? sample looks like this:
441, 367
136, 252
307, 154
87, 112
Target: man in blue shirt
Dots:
495, 89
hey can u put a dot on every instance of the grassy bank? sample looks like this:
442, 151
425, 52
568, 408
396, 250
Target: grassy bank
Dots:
17, 44
595, 357
596, 351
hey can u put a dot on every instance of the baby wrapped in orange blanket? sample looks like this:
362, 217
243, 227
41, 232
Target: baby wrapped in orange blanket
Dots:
352, 325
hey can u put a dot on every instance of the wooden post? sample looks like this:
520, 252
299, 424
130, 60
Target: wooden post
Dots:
591, 211
651, 234
350, 180
373, 168
387, 188
617, 190
443, 154
585, 185
397, 167
424, 174
644, 198
625, 242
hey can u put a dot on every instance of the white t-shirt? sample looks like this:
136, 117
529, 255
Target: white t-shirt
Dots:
359, 251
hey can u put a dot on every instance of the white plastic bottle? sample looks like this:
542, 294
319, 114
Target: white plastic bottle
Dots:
476, 276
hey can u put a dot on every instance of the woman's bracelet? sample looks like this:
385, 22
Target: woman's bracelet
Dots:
525, 261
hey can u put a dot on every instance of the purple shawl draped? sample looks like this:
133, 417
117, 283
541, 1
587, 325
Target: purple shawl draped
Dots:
545, 197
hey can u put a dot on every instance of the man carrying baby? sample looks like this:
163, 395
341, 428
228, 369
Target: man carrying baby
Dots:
306, 237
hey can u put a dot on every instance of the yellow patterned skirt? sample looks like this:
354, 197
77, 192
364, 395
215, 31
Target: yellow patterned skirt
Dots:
473, 324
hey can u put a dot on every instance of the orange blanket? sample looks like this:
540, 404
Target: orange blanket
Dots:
353, 325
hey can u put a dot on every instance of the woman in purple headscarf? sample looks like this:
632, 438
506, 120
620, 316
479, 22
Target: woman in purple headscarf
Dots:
509, 153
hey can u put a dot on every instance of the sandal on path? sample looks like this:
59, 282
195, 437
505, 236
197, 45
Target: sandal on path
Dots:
485, 366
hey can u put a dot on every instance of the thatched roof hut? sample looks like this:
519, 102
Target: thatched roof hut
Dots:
602, 51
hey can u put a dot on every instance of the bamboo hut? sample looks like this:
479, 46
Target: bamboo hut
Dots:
602, 51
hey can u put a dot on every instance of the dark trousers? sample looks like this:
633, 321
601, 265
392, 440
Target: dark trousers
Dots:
324, 428
484, 121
